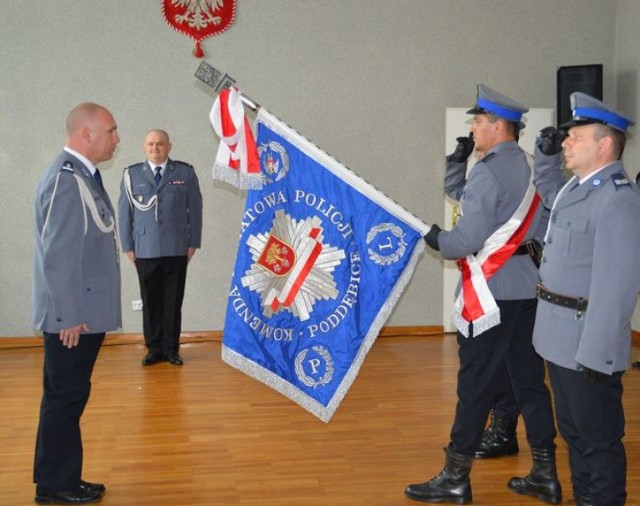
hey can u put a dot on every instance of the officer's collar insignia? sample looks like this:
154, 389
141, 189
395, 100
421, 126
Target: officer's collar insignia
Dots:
85, 172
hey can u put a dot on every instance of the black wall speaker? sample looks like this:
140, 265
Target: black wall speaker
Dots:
584, 78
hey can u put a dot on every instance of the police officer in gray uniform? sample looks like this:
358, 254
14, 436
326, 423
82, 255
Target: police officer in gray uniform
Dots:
76, 297
493, 195
500, 438
160, 218
588, 291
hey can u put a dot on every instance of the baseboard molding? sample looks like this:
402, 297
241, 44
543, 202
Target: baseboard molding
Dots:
114, 339
216, 335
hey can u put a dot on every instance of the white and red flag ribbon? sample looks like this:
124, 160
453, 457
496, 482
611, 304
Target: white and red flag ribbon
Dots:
475, 303
237, 161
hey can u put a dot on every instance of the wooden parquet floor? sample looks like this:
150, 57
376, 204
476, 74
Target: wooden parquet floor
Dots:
205, 434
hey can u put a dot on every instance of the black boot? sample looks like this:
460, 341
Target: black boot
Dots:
452, 485
499, 439
542, 482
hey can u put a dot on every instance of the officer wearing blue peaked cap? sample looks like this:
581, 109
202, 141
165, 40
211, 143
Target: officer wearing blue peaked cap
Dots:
586, 109
589, 284
494, 198
491, 102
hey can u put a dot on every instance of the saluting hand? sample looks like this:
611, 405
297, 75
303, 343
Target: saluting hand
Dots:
463, 149
71, 337
550, 140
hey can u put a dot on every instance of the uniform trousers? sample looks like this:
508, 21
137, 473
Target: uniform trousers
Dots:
66, 389
483, 359
162, 281
505, 402
591, 420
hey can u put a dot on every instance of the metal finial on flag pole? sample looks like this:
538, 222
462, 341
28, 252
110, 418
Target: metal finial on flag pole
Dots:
214, 78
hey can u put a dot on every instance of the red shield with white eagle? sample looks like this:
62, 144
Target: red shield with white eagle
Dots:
199, 19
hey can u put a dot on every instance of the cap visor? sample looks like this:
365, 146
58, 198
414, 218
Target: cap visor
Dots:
477, 110
572, 123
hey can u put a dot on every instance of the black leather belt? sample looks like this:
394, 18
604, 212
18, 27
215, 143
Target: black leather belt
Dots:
526, 248
579, 304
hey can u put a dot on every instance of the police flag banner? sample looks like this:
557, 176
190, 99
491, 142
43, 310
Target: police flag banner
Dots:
322, 259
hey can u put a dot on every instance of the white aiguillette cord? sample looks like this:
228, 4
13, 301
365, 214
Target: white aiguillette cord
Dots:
153, 201
89, 202
562, 191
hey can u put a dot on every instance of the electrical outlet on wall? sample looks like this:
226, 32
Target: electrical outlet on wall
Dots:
136, 305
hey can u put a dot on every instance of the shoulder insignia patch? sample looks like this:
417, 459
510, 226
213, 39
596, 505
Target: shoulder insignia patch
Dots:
620, 180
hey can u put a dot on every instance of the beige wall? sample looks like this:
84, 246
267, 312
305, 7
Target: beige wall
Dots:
366, 80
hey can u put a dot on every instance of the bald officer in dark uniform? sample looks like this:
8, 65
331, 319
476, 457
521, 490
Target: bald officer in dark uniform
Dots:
589, 286
76, 297
498, 203
160, 218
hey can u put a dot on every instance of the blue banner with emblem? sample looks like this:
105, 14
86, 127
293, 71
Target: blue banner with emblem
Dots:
322, 259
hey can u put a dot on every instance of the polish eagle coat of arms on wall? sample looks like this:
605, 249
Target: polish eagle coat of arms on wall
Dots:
199, 19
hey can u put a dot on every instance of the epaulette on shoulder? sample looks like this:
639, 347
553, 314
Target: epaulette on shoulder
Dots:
488, 156
620, 180
182, 163
67, 167
135, 165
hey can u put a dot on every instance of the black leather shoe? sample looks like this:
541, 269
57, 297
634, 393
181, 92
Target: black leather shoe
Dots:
77, 496
151, 358
174, 359
92, 487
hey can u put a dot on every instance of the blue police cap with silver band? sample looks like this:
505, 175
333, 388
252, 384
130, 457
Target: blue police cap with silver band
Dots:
491, 102
586, 109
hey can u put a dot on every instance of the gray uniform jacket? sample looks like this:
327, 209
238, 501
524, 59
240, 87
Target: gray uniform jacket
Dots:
170, 227
76, 269
488, 199
591, 252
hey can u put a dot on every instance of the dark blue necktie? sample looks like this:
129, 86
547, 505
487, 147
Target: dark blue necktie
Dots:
158, 175
98, 177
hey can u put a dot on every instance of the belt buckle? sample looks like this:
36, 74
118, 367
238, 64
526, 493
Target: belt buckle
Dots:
579, 309
530, 249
